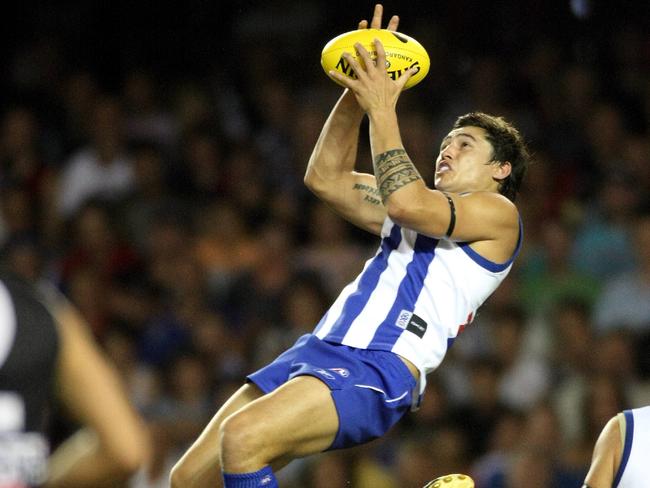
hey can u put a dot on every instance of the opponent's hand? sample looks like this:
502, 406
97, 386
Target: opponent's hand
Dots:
375, 23
373, 89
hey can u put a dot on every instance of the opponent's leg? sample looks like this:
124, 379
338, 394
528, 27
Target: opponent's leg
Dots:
200, 466
297, 419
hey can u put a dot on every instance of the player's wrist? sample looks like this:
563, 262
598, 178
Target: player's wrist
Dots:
382, 115
349, 105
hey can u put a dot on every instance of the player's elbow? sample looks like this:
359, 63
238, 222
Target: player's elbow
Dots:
127, 464
133, 455
400, 212
319, 186
312, 181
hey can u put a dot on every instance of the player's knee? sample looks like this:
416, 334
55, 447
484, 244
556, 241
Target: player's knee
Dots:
239, 437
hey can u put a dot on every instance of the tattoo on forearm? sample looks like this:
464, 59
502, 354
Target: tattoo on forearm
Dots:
371, 193
393, 170
373, 200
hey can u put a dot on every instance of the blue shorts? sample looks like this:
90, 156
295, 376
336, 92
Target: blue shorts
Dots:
371, 389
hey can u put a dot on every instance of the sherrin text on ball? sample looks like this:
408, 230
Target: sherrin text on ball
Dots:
402, 53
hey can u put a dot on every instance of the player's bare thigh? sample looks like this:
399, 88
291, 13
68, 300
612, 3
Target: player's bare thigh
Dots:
201, 466
300, 417
297, 419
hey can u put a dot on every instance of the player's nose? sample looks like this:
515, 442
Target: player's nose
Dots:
447, 153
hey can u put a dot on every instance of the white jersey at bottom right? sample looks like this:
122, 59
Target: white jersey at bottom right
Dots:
634, 468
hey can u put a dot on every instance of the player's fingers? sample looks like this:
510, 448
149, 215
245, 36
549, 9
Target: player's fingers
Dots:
393, 23
346, 81
355, 65
376, 16
381, 55
364, 55
363, 24
404, 78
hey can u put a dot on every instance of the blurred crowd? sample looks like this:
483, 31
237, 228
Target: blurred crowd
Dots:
168, 206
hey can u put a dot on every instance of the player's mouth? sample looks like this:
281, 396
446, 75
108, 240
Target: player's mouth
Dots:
443, 167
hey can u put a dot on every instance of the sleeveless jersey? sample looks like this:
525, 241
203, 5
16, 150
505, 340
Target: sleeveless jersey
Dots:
28, 352
633, 471
413, 297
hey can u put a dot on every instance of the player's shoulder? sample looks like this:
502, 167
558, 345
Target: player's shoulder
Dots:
611, 435
488, 202
491, 197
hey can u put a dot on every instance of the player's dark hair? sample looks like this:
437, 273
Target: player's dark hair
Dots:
507, 146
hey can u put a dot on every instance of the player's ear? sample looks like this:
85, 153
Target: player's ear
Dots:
501, 170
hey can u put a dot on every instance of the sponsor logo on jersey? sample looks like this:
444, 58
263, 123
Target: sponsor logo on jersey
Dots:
417, 325
324, 373
341, 371
411, 322
403, 319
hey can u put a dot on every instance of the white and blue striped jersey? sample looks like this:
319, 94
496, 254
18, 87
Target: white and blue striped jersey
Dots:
633, 471
413, 297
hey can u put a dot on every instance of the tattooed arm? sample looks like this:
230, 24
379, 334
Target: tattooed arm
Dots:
486, 219
330, 173
478, 217
407, 200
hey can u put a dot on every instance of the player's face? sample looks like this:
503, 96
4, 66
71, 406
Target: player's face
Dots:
464, 163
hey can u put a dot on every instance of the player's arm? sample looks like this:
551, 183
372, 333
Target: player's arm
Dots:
606, 456
477, 216
480, 216
114, 442
330, 173
472, 217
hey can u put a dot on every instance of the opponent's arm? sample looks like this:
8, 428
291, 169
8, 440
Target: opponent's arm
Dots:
606, 456
113, 443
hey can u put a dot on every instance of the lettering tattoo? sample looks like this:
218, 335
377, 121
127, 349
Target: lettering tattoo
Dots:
393, 170
371, 193
373, 200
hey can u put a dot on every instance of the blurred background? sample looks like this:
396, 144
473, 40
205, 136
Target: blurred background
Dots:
151, 162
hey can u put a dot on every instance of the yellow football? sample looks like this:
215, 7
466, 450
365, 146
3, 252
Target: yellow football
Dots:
451, 481
402, 53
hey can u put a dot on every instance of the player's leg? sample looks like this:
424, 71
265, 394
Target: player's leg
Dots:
297, 419
200, 466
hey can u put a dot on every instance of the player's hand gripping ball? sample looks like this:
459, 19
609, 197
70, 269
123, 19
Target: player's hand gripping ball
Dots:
451, 481
402, 53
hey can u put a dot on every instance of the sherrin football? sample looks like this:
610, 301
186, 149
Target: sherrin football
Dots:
402, 53
451, 481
